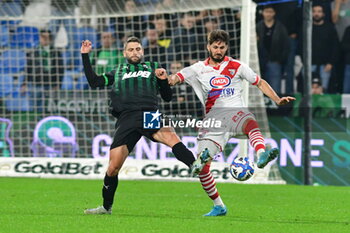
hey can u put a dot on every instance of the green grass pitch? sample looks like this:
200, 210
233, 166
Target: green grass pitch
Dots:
50, 205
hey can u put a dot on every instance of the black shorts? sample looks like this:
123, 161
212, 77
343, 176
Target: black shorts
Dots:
129, 129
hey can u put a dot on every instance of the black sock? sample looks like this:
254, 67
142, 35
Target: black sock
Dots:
183, 154
110, 184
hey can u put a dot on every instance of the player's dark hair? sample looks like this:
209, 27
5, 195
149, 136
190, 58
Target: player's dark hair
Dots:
218, 35
132, 39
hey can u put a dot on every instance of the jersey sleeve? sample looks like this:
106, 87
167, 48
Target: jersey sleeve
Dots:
248, 74
94, 79
187, 75
109, 77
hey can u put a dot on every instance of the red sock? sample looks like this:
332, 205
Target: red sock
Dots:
256, 139
208, 182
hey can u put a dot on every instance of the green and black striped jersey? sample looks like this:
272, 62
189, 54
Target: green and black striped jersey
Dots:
134, 86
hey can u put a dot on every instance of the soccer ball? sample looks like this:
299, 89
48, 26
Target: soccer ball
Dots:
242, 168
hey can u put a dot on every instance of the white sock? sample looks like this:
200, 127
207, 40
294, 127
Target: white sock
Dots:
218, 201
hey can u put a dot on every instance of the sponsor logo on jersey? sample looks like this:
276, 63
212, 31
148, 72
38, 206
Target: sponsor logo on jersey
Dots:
224, 92
143, 74
220, 81
227, 92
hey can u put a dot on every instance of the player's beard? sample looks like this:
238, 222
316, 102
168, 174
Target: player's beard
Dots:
130, 61
218, 60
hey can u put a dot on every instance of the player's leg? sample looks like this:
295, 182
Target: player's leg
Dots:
124, 140
207, 180
117, 158
216, 139
251, 129
202, 159
167, 136
110, 183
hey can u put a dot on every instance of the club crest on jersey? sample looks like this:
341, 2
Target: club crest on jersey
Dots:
220, 81
143, 74
232, 71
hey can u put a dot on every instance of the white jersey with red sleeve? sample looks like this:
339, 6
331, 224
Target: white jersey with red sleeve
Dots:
220, 86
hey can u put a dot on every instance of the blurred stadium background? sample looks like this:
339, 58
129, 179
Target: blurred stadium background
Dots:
51, 117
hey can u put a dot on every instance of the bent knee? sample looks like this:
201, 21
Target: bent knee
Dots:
170, 136
113, 170
166, 136
170, 139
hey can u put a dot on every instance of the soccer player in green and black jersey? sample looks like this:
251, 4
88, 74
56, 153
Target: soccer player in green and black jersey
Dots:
135, 85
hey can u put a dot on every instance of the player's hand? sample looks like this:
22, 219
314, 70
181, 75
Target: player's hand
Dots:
173, 80
161, 73
86, 46
285, 100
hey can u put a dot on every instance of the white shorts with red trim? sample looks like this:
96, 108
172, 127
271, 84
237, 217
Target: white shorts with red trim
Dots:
232, 121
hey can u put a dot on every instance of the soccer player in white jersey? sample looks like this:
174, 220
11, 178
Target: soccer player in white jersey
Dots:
217, 82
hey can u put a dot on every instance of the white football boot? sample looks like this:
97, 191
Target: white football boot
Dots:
98, 210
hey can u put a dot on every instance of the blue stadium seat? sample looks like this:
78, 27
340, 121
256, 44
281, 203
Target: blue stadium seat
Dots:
10, 8
10, 23
77, 61
72, 60
66, 55
84, 33
67, 82
15, 99
12, 61
82, 83
6, 85
25, 37
18, 102
80, 34
4, 36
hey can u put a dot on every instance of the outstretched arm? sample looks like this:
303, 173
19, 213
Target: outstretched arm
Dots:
93, 79
268, 91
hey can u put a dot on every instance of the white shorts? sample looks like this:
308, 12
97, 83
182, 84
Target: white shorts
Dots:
231, 126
